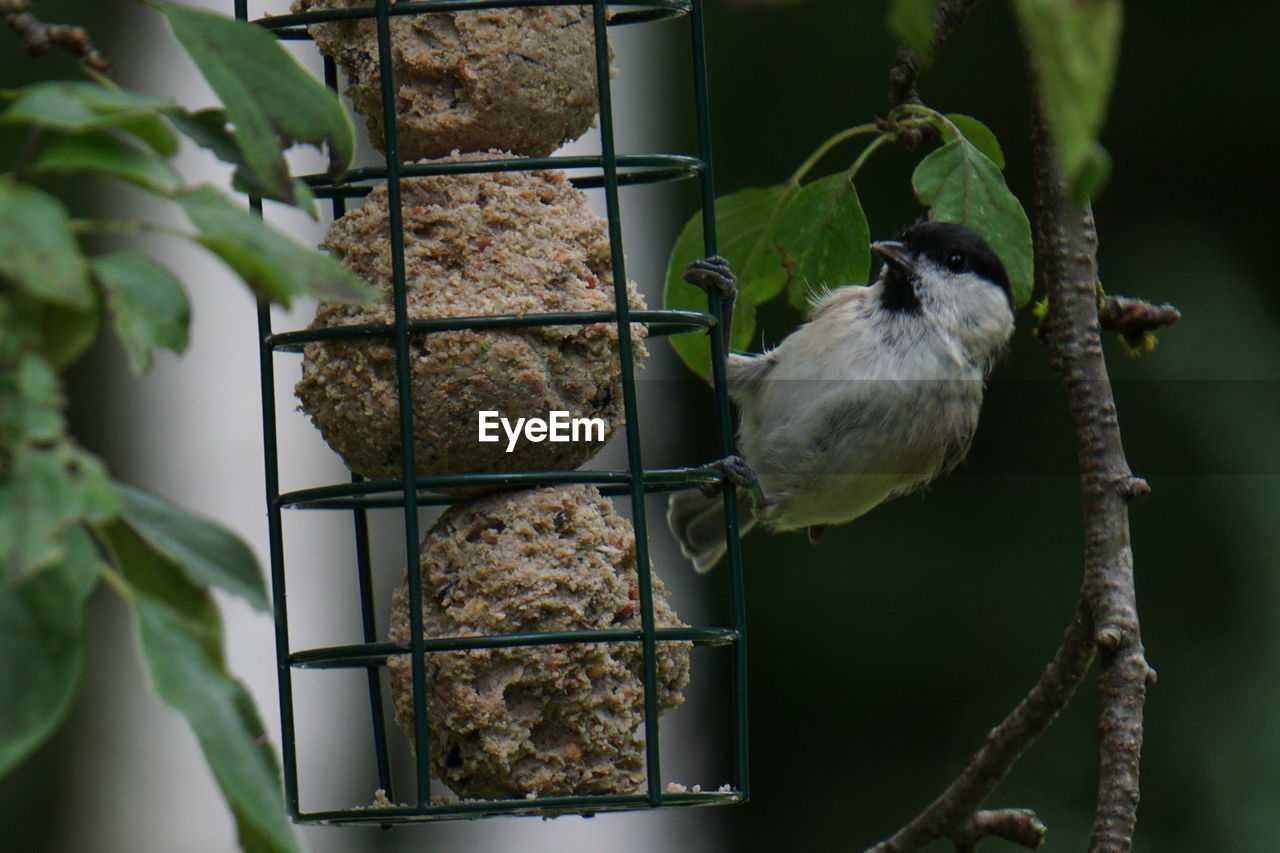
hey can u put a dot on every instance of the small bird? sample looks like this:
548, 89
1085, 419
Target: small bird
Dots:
874, 396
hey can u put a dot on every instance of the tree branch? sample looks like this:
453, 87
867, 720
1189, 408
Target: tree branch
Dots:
947, 15
953, 814
1106, 618
1135, 318
40, 37
1020, 826
1066, 253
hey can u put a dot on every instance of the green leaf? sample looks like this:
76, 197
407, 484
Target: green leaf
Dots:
59, 333
1093, 176
65, 333
746, 223
150, 574
206, 552
977, 133
958, 183
269, 99
102, 153
42, 656
37, 250
148, 304
47, 489
1073, 46
80, 107
17, 337
208, 129
222, 715
824, 239
31, 402
180, 632
911, 22
272, 264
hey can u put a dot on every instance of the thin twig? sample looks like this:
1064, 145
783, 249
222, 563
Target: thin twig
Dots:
1020, 826
947, 15
952, 813
1135, 318
40, 37
1066, 252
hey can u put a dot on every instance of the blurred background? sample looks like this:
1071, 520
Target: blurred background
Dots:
881, 656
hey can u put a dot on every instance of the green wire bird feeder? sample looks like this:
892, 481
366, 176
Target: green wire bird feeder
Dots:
609, 171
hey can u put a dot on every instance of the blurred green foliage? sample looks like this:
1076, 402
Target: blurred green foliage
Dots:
64, 526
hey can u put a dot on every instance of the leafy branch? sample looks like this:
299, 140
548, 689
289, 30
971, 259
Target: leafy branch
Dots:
65, 526
799, 238
1068, 246
1062, 38
776, 244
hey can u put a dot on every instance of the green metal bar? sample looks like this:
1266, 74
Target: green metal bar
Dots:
587, 182
364, 570
586, 805
650, 10
368, 627
654, 480
275, 537
404, 389
626, 354
366, 654
678, 164
724, 418
676, 321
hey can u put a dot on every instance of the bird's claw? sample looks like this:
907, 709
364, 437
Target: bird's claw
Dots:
712, 274
733, 470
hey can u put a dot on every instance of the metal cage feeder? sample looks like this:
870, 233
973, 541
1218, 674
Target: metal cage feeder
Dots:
609, 171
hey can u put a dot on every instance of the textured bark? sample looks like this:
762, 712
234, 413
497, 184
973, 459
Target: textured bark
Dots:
40, 37
947, 16
1106, 620
1066, 251
1135, 318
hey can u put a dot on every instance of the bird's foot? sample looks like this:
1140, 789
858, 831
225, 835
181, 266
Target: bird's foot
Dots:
714, 276
735, 471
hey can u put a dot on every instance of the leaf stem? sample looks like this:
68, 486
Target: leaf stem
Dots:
848, 133
852, 171
116, 581
931, 115
109, 568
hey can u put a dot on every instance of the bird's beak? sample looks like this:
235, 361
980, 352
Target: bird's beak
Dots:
893, 252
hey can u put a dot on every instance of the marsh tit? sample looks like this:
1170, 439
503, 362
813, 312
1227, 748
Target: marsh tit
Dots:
874, 396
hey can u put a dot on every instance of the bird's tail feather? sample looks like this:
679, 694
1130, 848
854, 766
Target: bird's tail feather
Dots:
697, 520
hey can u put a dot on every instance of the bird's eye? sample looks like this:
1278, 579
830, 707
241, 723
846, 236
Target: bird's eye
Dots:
957, 262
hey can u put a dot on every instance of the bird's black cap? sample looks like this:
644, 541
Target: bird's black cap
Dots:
957, 248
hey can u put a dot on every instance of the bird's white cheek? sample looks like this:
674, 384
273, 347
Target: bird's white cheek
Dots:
985, 320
